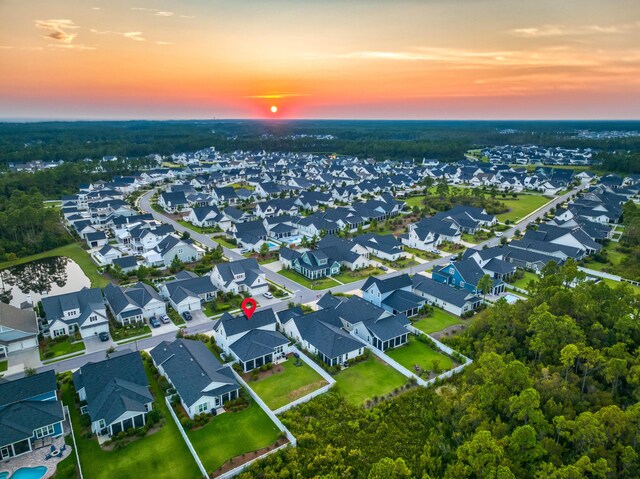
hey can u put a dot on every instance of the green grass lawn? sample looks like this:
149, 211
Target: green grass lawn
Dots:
195, 228
521, 207
231, 434
415, 201
223, 242
437, 322
367, 379
417, 352
421, 254
399, 264
129, 331
73, 251
158, 455
523, 282
222, 304
3, 366
60, 349
322, 283
350, 276
293, 383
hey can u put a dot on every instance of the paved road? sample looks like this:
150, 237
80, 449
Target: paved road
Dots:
302, 294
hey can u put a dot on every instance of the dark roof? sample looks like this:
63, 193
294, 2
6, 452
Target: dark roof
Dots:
322, 330
240, 324
19, 420
388, 284
257, 343
457, 297
126, 262
114, 386
27, 387
401, 300
192, 368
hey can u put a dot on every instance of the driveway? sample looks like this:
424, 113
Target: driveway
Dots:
93, 344
199, 318
163, 329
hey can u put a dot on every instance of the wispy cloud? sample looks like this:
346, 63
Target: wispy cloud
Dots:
164, 14
160, 42
574, 30
137, 36
160, 13
58, 29
73, 46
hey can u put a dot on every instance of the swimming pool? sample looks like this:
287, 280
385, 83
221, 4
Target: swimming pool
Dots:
511, 298
4, 475
29, 473
292, 240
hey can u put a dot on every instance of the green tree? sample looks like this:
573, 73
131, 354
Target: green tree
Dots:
485, 283
387, 468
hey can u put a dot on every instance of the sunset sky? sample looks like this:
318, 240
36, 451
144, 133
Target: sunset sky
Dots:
404, 59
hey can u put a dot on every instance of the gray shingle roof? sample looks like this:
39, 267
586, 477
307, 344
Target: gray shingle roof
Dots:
257, 343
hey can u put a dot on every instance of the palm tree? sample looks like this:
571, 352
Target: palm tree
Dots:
484, 285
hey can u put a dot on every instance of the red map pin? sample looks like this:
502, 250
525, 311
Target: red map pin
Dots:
249, 307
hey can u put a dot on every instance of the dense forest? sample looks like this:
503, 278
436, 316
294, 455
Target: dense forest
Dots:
444, 140
553, 393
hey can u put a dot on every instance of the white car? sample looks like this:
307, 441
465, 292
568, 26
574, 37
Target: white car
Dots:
499, 233
244, 251
267, 295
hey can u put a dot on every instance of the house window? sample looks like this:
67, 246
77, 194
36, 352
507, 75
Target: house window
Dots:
59, 332
203, 407
44, 431
93, 319
179, 250
101, 424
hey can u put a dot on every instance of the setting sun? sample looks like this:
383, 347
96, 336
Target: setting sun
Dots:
274, 109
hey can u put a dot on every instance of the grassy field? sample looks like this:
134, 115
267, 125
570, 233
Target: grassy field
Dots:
159, 455
417, 352
523, 282
437, 322
352, 276
415, 201
367, 379
3, 366
293, 383
231, 434
421, 254
521, 207
322, 283
73, 251
195, 228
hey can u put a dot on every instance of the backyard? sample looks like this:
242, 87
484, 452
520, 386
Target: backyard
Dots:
522, 283
521, 207
287, 383
421, 354
438, 321
232, 434
322, 283
158, 455
367, 379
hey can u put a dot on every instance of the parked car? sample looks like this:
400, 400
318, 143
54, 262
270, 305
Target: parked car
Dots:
244, 251
267, 295
499, 233
383, 268
187, 316
153, 321
104, 336
165, 319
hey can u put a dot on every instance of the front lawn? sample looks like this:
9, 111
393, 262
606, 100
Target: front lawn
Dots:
521, 207
290, 383
120, 332
223, 303
231, 434
415, 201
74, 251
158, 455
347, 276
421, 354
224, 242
322, 283
52, 348
421, 254
195, 228
401, 263
3, 366
438, 321
367, 379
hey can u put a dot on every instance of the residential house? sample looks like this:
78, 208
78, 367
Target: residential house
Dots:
170, 248
116, 391
453, 300
18, 330
188, 291
242, 276
252, 343
81, 311
133, 303
201, 382
30, 414
393, 295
